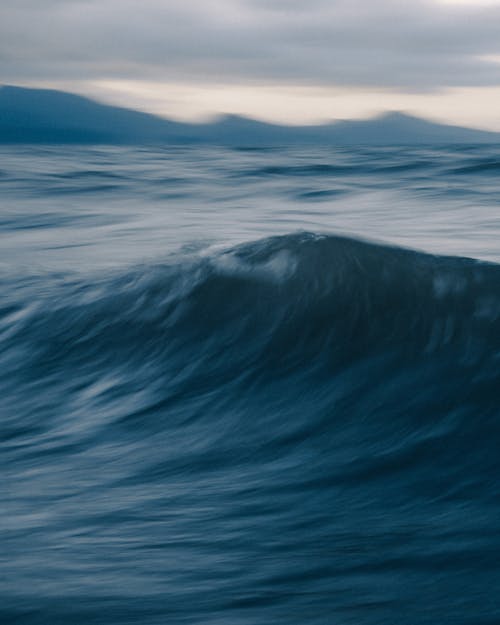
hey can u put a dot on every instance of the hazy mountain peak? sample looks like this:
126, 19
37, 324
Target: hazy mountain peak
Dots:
396, 116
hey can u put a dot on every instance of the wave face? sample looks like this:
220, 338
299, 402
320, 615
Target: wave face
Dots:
300, 429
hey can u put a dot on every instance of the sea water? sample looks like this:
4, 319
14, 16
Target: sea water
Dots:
249, 386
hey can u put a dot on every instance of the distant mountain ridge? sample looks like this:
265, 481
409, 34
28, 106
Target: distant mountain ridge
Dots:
49, 116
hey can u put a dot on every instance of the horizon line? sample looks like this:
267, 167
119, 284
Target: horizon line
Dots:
225, 115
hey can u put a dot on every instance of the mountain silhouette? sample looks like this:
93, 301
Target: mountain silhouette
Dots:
50, 116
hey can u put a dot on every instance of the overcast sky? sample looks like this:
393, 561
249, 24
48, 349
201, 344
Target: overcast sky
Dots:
286, 60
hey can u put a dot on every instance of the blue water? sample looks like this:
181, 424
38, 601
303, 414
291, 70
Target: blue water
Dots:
249, 386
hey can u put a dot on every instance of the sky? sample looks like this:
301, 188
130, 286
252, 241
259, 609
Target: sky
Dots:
289, 61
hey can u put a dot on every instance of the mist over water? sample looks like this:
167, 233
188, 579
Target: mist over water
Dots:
249, 386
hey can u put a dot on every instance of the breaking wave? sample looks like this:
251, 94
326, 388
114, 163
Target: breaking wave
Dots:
303, 425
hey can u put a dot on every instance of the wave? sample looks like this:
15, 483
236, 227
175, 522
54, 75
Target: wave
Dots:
325, 315
303, 170
478, 166
255, 429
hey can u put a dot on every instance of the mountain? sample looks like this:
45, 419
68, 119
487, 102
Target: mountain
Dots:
48, 116
43, 115
393, 128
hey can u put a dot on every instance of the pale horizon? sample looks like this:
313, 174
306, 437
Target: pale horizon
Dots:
267, 105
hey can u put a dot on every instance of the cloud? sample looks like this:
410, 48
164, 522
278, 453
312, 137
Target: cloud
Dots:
413, 46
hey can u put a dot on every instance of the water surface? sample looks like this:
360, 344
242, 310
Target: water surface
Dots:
249, 386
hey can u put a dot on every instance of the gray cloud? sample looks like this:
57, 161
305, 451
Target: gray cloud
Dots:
418, 45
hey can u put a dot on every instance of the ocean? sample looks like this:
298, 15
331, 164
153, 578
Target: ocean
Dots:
249, 387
